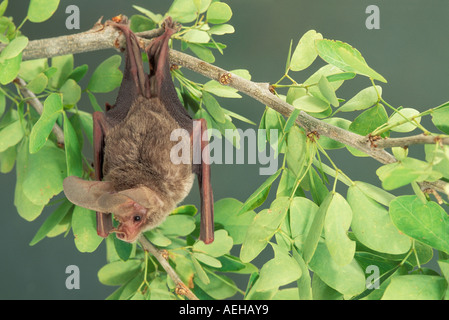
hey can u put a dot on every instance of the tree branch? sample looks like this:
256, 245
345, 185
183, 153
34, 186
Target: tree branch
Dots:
106, 37
408, 141
181, 288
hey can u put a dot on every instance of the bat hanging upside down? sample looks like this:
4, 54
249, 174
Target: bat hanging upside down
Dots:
136, 179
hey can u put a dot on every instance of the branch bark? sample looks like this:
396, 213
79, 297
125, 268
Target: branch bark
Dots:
408, 141
102, 37
181, 288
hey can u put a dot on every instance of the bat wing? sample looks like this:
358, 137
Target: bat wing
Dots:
160, 81
104, 222
203, 173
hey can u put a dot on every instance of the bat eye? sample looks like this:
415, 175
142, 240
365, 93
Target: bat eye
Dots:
137, 218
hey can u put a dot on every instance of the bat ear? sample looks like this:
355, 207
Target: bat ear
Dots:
85, 193
144, 196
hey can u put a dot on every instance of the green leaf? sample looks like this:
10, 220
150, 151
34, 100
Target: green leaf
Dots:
372, 225
71, 92
375, 193
341, 76
213, 107
304, 283
84, 229
226, 213
336, 225
9, 69
279, 271
207, 259
42, 128
183, 11
26, 209
138, 23
41, 10
309, 103
3, 7
188, 209
79, 72
366, 123
196, 36
398, 174
328, 91
218, 13
260, 195
440, 119
296, 150
72, 150
45, 173
87, 124
200, 271
93, 102
345, 57
222, 244
177, 225
407, 113
202, 52
155, 17
439, 157
274, 121
156, 237
7, 159
348, 279
316, 228
220, 287
221, 29
11, 135
2, 103
302, 214
262, 229
426, 222
369, 120
123, 249
52, 220
362, 100
106, 76
119, 272
14, 48
305, 52
38, 84
64, 67
415, 287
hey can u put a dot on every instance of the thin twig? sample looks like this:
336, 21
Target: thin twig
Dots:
37, 105
181, 288
408, 141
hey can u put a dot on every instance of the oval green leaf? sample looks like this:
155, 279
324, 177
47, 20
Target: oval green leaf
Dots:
372, 225
218, 13
426, 222
84, 228
345, 57
106, 76
305, 52
41, 10
336, 225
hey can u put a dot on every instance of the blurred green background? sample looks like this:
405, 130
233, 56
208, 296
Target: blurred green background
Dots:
410, 50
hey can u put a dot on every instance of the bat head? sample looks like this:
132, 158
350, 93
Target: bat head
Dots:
137, 209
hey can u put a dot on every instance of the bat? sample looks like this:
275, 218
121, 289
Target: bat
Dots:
135, 179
